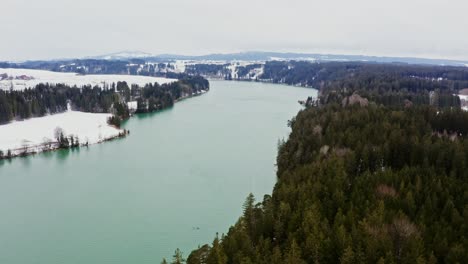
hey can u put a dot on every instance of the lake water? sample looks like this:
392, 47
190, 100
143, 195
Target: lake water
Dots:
180, 177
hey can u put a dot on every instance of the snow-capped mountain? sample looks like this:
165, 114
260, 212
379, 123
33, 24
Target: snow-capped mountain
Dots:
123, 55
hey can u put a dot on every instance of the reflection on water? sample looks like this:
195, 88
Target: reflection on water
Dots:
62, 154
152, 114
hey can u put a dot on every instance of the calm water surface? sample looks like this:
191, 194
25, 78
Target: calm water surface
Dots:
180, 177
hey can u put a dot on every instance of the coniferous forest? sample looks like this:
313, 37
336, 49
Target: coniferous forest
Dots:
371, 173
50, 99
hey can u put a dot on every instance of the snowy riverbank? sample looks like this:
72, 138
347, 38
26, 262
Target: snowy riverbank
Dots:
38, 134
19, 79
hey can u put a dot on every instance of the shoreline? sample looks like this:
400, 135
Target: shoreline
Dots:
42, 148
260, 81
202, 92
41, 134
49, 146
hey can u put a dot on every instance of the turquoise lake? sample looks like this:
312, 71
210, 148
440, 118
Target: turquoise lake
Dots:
179, 177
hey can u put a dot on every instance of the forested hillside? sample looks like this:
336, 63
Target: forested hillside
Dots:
318, 74
372, 181
388, 84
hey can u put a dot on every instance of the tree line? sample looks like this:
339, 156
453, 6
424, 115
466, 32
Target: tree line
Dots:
366, 182
47, 99
317, 74
359, 185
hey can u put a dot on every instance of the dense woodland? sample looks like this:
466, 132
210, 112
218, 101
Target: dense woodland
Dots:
49, 99
374, 181
388, 84
375, 171
244, 72
317, 74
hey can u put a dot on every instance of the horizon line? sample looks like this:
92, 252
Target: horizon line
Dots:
151, 55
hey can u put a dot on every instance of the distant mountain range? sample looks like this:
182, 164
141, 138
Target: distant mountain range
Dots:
123, 55
266, 56
126, 59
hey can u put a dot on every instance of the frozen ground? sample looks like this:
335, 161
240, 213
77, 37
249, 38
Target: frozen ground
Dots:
463, 97
464, 102
37, 134
71, 79
34, 132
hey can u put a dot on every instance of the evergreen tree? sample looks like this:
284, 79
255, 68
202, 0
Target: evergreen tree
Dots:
177, 257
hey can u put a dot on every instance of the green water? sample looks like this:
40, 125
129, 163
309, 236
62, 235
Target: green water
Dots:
180, 177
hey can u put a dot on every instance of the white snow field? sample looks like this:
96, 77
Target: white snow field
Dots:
464, 101
463, 97
34, 132
21, 78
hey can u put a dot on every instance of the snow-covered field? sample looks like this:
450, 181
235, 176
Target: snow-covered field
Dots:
464, 101
34, 132
463, 97
70, 79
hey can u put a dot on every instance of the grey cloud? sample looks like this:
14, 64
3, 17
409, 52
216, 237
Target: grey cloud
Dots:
62, 28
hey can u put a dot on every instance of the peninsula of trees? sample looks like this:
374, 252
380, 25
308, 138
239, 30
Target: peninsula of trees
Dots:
117, 99
375, 171
49, 99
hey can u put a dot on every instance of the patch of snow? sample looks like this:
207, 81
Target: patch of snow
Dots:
276, 59
232, 68
463, 97
180, 66
34, 132
132, 106
72, 79
463, 101
256, 72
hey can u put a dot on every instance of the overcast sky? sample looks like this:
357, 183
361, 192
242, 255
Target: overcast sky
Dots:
33, 29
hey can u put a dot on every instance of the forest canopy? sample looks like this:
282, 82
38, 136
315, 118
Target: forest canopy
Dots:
377, 181
50, 99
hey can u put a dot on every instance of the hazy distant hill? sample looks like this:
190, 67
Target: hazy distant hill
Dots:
123, 55
259, 56
266, 56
